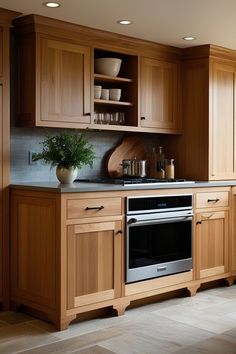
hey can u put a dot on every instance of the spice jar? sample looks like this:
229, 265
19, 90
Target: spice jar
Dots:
169, 168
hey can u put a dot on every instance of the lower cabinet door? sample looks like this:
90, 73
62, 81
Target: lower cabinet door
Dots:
212, 241
94, 263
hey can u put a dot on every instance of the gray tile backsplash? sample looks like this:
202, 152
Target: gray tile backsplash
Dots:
24, 140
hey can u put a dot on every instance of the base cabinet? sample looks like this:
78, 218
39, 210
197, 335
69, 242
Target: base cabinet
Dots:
94, 264
212, 234
212, 243
68, 251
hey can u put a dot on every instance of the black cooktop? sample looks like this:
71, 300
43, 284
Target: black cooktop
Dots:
130, 181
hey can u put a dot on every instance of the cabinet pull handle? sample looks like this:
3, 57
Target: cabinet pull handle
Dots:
143, 118
213, 200
119, 232
86, 114
198, 222
95, 208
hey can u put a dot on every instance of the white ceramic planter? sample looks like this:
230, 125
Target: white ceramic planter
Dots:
66, 175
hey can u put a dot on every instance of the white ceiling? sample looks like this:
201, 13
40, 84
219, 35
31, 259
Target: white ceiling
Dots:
162, 21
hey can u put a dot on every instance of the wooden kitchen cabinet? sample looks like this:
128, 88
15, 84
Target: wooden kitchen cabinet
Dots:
233, 230
209, 137
62, 263
212, 243
160, 95
55, 78
6, 17
94, 263
212, 235
53, 82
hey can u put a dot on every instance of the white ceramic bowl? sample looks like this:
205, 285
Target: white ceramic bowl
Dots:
107, 66
115, 94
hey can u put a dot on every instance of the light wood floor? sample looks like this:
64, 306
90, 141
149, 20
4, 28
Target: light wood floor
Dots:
205, 323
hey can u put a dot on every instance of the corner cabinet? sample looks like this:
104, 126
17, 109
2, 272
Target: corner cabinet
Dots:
54, 87
160, 94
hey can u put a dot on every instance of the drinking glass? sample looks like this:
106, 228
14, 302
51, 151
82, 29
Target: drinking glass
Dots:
121, 118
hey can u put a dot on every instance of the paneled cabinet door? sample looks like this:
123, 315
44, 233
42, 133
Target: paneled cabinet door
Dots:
222, 122
159, 94
212, 243
94, 263
64, 83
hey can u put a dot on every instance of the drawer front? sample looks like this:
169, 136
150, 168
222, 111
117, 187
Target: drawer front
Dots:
212, 199
87, 208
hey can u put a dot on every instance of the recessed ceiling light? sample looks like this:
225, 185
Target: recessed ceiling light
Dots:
51, 4
189, 38
124, 22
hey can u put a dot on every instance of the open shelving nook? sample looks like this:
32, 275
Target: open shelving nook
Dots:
127, 81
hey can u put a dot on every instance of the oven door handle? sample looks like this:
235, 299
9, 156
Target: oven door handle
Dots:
135, 222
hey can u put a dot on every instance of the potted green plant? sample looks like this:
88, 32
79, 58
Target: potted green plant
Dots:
69, 152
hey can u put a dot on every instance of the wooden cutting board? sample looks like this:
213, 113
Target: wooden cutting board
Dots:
131, 147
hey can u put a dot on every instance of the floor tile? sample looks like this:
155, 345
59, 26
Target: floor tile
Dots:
19, 337
205, 323
94, 350
220, 344
71, 345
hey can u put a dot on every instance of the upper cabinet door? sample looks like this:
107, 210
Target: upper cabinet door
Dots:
222, 122
64, 83
159, 94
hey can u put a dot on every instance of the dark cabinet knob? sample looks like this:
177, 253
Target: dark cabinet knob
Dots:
143, 118
198, 222
119, 232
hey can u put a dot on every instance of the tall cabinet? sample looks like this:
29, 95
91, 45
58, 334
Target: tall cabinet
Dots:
6, 17
206, 150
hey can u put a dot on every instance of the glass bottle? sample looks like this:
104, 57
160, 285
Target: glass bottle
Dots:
160, 166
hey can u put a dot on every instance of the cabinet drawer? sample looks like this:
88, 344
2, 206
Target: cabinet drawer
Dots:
212, 199
88, 208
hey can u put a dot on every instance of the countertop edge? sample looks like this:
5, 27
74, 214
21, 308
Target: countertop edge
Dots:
100, 187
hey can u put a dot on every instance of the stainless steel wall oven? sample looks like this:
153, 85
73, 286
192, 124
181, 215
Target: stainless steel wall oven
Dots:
158, 236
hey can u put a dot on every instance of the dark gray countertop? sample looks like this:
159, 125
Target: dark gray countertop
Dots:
100, 187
